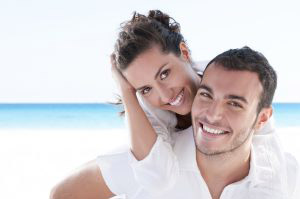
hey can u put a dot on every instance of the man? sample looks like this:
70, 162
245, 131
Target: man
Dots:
220, 157
232, 104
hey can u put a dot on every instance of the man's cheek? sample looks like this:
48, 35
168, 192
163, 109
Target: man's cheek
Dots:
196, 106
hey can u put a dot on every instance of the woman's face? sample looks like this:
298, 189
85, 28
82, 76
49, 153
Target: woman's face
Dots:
164, 80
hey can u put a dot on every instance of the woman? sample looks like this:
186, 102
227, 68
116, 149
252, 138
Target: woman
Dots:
153, 68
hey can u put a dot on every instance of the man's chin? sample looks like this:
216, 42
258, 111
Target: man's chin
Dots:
212, 152
209, 152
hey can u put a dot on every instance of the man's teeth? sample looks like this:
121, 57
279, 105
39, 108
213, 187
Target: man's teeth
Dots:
213, 131
178, 99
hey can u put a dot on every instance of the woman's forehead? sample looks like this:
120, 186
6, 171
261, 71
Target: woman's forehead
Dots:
148, 64
141, 75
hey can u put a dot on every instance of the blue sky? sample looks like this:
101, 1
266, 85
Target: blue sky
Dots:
58, 51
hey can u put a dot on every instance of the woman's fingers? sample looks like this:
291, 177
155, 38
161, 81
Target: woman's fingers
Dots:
118, 76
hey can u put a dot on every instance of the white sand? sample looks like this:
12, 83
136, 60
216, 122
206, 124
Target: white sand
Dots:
33, 161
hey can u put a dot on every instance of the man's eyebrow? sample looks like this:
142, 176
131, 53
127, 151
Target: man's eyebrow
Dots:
205, 87
236, 97
159, 70
155, 77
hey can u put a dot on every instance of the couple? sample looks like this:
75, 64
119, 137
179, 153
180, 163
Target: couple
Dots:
231, 150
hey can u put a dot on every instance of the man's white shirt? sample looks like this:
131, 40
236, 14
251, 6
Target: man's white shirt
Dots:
273, 173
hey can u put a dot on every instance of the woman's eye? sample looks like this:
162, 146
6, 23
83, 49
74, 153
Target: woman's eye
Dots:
145, 90
164, 74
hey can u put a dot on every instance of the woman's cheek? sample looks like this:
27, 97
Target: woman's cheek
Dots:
152, 99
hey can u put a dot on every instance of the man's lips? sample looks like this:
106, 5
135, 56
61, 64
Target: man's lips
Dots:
212, 131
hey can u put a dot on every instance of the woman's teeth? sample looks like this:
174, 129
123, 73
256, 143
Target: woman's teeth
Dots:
213, 131
178, 99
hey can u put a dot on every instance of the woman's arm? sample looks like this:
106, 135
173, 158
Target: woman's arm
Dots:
142, 134
86, 183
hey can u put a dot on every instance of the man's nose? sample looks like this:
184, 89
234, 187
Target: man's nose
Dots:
164, 93
214, 112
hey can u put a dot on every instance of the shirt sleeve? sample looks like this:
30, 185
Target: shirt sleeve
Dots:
293, 175
159, 170
296, 193
117, 173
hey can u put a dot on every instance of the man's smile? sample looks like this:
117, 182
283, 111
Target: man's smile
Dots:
211, 132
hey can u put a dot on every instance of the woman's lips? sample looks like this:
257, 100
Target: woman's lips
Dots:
178, 100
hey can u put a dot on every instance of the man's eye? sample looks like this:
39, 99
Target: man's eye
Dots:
235, 104
164, 74
145, 90
206, 95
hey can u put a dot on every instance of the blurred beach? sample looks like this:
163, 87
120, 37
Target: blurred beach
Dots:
33, 160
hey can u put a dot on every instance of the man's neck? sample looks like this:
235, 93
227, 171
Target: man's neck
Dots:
221, 170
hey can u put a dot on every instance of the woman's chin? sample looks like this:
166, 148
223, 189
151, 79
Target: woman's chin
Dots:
183, 110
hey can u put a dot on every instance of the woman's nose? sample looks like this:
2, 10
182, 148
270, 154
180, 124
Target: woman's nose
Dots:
165, 94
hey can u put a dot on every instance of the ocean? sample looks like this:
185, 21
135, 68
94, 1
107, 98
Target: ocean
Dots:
99, 116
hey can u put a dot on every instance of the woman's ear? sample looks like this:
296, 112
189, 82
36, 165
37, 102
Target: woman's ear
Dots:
185, 52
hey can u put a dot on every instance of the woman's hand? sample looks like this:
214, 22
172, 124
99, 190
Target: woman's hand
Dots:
120, 80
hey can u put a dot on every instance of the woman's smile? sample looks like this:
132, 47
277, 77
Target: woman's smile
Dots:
178, 100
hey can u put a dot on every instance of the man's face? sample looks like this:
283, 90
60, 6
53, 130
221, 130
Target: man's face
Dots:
224, 111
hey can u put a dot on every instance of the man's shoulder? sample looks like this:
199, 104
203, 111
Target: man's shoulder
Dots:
85, 182
293, 174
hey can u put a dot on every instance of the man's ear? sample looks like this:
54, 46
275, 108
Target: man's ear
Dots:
263, 117
185, 52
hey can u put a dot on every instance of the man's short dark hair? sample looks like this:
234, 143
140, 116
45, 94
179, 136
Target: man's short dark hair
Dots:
246, 59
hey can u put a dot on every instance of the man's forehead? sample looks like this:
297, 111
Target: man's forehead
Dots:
237, 82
